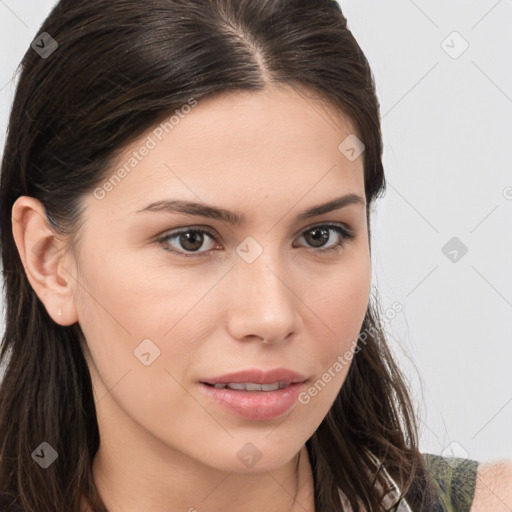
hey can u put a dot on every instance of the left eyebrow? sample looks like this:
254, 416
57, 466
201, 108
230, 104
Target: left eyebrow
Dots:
330, 206
237, 218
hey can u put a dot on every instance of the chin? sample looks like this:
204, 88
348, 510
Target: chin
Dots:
257, 456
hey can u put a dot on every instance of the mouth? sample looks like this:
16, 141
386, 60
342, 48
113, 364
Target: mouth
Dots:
252, 400
255, 394
255, 379
249, 386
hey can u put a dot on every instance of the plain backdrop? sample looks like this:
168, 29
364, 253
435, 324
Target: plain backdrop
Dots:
441, 236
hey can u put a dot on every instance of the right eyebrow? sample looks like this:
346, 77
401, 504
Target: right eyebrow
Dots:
238, 218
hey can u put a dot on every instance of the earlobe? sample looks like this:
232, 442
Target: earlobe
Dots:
44, 259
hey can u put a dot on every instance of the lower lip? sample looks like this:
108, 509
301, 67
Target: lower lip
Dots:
256, 405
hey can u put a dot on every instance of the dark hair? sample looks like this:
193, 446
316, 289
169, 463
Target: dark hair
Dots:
120, 68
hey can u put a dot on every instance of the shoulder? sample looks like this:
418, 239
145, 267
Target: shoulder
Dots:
493, 491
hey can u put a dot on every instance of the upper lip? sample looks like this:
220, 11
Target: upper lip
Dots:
258, 376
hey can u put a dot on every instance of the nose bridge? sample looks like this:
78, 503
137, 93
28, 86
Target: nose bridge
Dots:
265, 305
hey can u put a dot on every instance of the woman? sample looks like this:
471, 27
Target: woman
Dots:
185, 218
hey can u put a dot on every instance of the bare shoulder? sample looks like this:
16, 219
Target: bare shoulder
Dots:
493, 489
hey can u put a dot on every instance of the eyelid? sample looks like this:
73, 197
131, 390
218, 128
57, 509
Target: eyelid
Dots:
214, 233
347, 235
346, 227
189, 227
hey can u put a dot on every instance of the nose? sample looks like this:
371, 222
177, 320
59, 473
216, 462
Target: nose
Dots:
263, 305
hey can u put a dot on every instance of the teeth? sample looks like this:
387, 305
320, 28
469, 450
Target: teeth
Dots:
237, 385
251, 386
270, 387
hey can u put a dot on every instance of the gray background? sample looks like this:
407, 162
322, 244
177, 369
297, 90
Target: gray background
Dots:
446, 118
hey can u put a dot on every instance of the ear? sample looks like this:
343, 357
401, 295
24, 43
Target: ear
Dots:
45, 259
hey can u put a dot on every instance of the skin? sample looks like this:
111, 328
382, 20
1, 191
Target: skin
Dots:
163, 443
493, 489
269, 155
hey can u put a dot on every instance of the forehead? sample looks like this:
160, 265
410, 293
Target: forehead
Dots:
275, 120
239, 145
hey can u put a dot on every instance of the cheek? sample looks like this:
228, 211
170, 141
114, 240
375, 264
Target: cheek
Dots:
132, 315
117, 311
337, 308
339, 305
135, 374
131, 299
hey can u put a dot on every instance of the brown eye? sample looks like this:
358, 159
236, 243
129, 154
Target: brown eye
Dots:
189, 240
317, 236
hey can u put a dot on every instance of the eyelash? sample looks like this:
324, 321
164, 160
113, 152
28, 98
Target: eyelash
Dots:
345, 235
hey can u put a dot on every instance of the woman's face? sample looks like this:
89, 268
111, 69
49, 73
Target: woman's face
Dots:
161, 317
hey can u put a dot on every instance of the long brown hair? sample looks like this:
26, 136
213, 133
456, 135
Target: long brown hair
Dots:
120, 67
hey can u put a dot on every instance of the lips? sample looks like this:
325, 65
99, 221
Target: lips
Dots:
251, 386
255, 379
254, 405
255, 394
